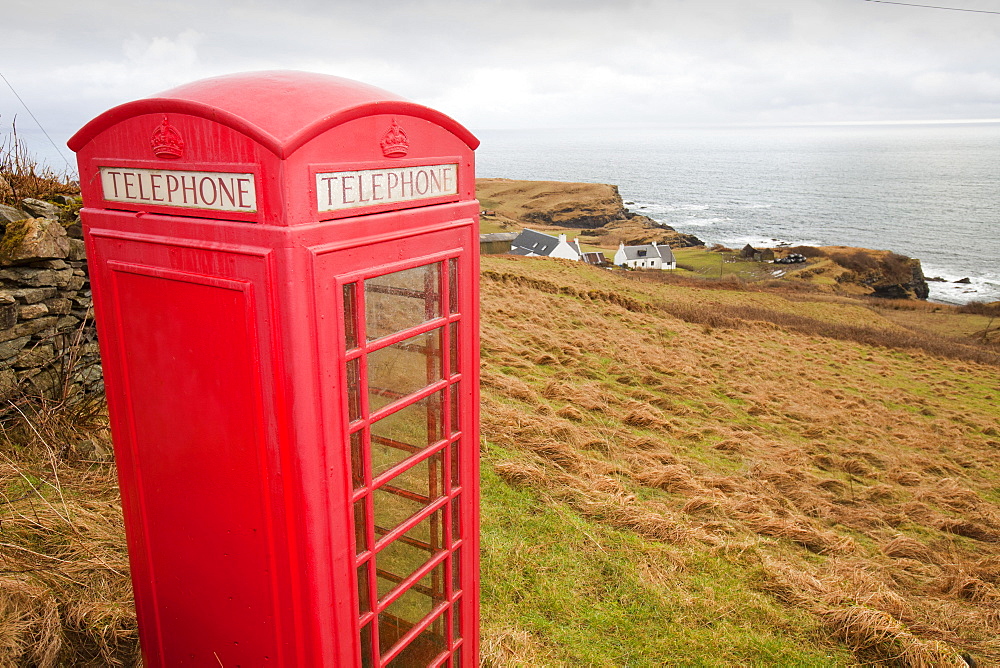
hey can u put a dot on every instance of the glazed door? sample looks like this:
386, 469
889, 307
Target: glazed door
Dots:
409, 354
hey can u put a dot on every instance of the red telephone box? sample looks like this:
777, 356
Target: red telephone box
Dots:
285, 276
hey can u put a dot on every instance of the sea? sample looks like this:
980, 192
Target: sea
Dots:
928, 191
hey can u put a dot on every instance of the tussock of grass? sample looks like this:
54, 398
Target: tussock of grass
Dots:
22, 176
65, 594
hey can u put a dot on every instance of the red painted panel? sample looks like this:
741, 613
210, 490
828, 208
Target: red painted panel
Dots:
193, 401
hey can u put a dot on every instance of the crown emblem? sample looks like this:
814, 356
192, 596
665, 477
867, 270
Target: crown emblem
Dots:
166, 141
394, 143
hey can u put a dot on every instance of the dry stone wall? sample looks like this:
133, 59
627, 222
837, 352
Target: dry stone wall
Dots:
48, 344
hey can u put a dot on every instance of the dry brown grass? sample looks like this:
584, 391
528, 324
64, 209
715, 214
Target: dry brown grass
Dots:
65, 594
22, 176
852, 481
854, 458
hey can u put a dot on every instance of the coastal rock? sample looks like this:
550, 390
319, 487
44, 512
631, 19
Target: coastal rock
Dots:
638, 229
916, 287
885, 274
893, 286
965, 281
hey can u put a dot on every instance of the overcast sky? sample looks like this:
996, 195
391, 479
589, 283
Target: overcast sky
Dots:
495, 64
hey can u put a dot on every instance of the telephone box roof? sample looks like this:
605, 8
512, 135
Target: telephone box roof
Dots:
281, 110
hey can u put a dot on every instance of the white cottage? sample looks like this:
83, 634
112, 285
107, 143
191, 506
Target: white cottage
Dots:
532, 243
648, 256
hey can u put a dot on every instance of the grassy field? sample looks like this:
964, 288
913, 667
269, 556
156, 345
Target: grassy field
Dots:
675, 472
689, 475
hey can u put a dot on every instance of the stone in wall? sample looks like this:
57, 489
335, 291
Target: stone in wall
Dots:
32, 240
48, 344
9, 214
40, 209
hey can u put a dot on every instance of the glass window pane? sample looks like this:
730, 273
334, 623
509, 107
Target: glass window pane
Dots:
364, 592
456, 570
403, 368
357, 460
455, 461
456, 395
408, 493
405, 432
350, 316
360, 527
456, 518
354, 390
453, 348
456, 620
453, 285
366, 647
401, 300
403, 556
407, 611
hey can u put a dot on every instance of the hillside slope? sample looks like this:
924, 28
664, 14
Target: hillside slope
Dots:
692, 474
749, 463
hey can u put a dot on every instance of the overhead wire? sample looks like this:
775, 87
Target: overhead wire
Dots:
950, 9
26, 108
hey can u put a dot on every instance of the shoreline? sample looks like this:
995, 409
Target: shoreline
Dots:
601, 216
927, 193
949, 291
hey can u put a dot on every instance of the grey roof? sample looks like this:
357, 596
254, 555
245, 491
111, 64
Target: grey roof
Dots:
649, 251
644, 252
529, 242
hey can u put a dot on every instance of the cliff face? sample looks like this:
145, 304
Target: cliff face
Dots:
582, 205
887, 275
586, 206
904, 287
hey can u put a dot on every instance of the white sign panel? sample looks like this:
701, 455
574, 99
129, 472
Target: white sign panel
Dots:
215, 191
369, 187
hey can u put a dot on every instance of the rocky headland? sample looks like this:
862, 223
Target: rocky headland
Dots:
595, 209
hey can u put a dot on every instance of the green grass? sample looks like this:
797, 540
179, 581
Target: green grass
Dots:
715, 265
568, 592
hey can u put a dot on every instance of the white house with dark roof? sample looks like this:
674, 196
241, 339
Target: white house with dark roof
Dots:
648, 256
532, 243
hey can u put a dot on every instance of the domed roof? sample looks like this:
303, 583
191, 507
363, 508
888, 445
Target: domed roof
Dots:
281, 110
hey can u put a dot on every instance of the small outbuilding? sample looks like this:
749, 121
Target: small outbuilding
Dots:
496, 243
748, 252
595, 258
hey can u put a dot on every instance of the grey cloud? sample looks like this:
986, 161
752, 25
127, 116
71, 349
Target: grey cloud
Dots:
526, 63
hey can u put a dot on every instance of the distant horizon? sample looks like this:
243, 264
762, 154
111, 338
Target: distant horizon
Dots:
748, 124
38, 146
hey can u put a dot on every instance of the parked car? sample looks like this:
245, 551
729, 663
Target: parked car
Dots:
793, 258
